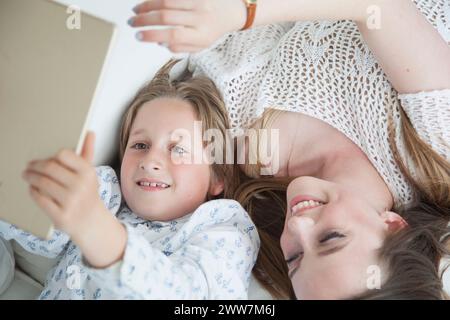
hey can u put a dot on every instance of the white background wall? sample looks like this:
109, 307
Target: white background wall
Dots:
130, 65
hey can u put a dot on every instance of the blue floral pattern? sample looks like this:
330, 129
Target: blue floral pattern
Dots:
208, 254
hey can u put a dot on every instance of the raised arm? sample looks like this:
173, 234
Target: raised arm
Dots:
81, 201
199, 23
410, 51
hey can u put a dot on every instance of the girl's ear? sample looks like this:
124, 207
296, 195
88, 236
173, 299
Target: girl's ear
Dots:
393, 221
216, 187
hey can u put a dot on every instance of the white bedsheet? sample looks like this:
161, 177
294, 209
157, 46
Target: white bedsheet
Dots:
30, 273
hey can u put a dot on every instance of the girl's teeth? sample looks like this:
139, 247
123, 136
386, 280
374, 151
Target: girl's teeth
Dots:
154, 184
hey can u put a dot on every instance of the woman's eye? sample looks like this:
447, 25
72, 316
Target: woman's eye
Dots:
331, 235
179, 150
139, 146
294, 257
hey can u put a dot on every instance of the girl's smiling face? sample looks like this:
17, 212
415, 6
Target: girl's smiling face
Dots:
161, 149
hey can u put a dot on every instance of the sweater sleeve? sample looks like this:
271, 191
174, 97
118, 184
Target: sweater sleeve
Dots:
429, 113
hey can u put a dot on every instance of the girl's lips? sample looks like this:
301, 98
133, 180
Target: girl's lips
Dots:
300, 198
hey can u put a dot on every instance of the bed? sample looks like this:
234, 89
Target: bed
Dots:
27, 280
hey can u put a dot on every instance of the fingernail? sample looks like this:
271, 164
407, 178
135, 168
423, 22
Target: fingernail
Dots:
139, 36
131, 22
136, 9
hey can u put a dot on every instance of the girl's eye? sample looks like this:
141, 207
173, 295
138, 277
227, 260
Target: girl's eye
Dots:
179, 150
139, 146
332, 235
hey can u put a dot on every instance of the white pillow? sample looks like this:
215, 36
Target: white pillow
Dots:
6, 265
257, 292
22, 288
33, 265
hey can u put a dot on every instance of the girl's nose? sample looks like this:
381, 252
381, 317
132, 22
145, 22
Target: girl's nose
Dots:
153, 161
301, 229
148, 166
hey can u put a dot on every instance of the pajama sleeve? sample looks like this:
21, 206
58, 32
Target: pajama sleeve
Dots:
216, 253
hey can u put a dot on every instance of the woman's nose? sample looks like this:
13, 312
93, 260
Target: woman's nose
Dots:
301, 229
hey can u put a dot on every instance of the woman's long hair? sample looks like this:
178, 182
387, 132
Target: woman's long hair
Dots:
265, 201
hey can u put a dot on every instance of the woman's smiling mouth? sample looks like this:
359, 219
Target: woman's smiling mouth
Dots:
300, 204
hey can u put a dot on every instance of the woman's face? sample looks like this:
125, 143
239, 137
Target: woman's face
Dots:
330, 239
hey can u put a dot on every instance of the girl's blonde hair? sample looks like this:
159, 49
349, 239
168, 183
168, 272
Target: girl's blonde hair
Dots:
201, 93
412, 255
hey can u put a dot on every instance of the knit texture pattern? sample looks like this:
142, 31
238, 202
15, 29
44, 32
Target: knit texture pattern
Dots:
325, 70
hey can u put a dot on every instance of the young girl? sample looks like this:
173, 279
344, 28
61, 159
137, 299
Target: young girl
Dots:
163, 239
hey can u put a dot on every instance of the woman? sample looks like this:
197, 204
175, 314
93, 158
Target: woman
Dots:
364, 134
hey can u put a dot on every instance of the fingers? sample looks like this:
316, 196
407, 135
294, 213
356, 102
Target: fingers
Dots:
184, 18
46, 188
44, 202
87, 152
65, 164
174, 37
164, 4
53, 170
71, 160
181, 48
164, 18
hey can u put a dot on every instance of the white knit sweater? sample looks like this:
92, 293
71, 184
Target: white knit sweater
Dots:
326, 71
